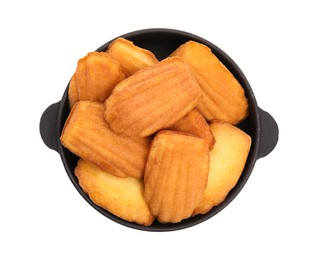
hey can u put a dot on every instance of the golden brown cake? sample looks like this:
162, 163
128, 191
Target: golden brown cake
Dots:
227, 161
73, 95
131, 57
87, 135
122, 197
96, 75
176, 175
152, 99
223, 96
194, 123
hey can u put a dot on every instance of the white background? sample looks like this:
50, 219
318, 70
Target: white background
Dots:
278, 45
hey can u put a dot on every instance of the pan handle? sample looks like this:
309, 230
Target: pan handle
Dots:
48, 126
268, 133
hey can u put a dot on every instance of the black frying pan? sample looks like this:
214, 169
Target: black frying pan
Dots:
259, 125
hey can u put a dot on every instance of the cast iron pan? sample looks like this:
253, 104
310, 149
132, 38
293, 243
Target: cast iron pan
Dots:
260, 125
